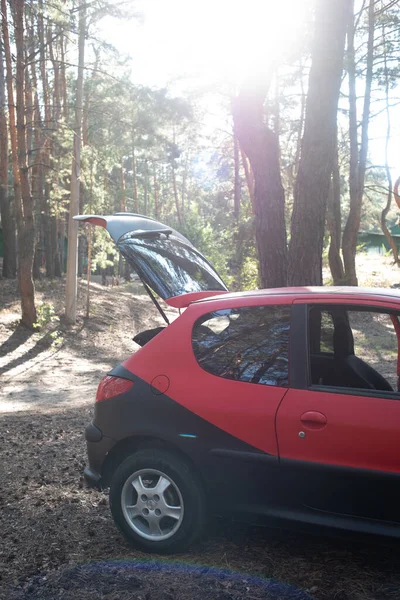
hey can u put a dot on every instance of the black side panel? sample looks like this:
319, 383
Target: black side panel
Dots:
245, 471
360, 493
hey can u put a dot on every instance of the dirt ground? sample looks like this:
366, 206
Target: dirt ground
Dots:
58, 539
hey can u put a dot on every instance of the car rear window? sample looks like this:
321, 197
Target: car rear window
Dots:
248, 344
169, 266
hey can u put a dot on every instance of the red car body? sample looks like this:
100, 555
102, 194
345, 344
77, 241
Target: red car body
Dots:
310, 434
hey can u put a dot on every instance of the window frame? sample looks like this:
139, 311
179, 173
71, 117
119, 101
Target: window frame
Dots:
203, 319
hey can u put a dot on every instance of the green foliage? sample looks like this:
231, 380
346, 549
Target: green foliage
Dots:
45, 315
213, 244
386, 251
46, 321
248, 274
104, 251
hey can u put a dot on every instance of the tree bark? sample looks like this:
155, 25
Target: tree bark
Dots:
56, 79
134, 177
22, 192
46, 143
146, 187
249, 179
27, 243
334, 222
358, 157
155, 191
72, 256
184, 182
176, 196
122, 201
37, 160
318, 144
7, 218
300, 128
261, 147
63, 77
236, 188
28, 92
386, 210
56, 113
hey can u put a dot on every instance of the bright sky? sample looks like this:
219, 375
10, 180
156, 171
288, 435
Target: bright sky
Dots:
194, 43
204, 39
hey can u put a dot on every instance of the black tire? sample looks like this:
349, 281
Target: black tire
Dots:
187, 485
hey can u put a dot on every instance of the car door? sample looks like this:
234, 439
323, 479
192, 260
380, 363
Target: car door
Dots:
241, 374
163, 258
338, 436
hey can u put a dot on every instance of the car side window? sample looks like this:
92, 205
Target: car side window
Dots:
375, 342
248, 344
358, 348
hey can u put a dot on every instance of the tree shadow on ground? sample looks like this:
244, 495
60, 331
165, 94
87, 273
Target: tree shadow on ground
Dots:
41, 346
18, 337
42, 492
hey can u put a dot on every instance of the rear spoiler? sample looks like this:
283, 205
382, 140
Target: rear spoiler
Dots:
184, 300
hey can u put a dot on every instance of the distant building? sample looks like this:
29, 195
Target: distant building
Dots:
376, 242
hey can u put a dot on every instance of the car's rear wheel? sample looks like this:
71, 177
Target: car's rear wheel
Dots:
157, 501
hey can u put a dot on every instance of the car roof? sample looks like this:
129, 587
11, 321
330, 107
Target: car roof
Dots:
317, 291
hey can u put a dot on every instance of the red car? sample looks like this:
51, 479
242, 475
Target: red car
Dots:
279, 403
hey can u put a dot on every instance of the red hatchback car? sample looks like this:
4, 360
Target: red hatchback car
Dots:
279, 403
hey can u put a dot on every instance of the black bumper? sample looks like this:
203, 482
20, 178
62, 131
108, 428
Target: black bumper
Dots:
98, 446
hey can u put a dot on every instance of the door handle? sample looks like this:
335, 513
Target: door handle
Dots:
313, 419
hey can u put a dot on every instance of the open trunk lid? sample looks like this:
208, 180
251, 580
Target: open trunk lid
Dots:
163, 258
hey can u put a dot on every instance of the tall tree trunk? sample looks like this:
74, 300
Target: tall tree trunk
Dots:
155, 191
318, 144
48, 237
46, 143
184, 185
56, 113
261, 147
386, 210
56, 79
85, 117
134, 177
146, 187
300, 129
61, 228
72, 257
39, 151
334, 222
27, 243
57, 255
22, 193
358, 157
29, 115
236, 188
63, 77
122, 201
249, 179
6, 212
176, 196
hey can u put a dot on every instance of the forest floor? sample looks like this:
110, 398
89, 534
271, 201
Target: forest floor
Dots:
58, 539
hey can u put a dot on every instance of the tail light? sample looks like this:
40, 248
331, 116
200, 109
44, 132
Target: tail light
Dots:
111, 386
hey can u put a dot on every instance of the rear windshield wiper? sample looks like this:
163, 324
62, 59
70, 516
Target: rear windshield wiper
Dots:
151, 234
